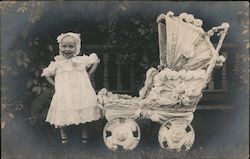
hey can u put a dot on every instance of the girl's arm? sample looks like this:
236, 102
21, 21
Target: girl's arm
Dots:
50, 80
93, 68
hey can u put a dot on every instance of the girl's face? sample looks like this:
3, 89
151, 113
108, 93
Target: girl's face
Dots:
68, 47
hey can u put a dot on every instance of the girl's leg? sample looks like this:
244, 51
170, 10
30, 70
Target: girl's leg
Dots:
64, 135
84, 133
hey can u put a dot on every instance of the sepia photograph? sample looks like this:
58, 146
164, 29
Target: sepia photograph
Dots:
124, 79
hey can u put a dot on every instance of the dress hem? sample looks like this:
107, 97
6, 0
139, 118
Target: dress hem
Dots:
72, 123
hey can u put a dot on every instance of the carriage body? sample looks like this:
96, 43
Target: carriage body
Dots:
172, 91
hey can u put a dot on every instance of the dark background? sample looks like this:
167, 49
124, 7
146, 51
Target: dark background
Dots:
127, 32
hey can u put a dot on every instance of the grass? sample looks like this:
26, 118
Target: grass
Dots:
215, 139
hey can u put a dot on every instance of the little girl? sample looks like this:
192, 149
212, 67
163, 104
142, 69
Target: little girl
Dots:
74, 101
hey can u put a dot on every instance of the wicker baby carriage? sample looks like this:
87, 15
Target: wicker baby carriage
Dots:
172, 91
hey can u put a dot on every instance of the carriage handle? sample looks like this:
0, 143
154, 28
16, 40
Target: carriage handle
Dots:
222, 31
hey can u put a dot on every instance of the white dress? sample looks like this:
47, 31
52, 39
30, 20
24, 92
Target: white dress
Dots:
75, 100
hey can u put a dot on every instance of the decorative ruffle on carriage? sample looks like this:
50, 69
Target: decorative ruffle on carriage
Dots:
172, 91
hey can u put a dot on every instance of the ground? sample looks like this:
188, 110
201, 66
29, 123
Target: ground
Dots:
216, 138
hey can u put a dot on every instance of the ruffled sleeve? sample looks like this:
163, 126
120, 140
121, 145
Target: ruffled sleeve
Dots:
50, 70
91, 59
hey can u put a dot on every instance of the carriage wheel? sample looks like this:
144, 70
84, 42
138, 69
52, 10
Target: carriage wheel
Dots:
175, 134
121, 132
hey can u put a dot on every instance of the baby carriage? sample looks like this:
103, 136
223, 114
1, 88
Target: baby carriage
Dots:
172, 91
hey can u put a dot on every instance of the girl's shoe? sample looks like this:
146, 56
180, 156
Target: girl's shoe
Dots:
84, 140
64, 140
64, 135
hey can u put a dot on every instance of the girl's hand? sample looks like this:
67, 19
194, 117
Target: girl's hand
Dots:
50, 80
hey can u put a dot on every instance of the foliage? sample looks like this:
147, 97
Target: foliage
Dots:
39, 107
34, 8
133, 35
242, 59
9, 112
17, 62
